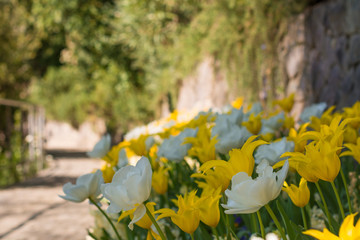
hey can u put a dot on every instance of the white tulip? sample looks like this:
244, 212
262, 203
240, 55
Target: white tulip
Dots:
236, 116
122, 160
173, 148
256, 108
315, 110
130, 187
272, 152
248, 195
149, 142
101, 148
229, 135
272, 124
87, 186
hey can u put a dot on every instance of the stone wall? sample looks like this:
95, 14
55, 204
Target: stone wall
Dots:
206, 88
62, 136
320, 55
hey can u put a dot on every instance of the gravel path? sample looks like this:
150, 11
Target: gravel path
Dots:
33, 211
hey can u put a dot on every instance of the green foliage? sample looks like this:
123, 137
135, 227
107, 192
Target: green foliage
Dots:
65, 92
18, 45
118, 59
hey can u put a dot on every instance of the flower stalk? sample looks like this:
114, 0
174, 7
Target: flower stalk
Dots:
304, 218
261, 225
276, 221
215, 232
107, 218
325, 206
338, 200
155, 223
346, 190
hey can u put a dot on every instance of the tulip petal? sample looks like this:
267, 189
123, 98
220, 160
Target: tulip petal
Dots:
138, 214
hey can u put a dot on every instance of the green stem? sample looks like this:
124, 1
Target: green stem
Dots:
261, 224
304, 218
107, 217
254, 223
227, 223
107, 156
325, 206
233, 233
338, 199
276, 221
192, 236
155, 223
216, 233
229, 227
346, 190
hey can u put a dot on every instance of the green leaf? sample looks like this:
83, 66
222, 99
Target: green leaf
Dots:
91, 235
286, 220
335, 224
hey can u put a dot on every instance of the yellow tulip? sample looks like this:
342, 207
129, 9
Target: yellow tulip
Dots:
286, 104
187, 218
325, 119
108, 172
267, 137
200, 120
160, 180
289, 122
145, 222
241, 160
208, 205
353, 150
253, 124
326, 163
347, 231
300, 196
213, 179
138, 145
334, 133
350, 134
113, 155
353, 112
296, 137
203, 146
301, 163
319, 161
237, 103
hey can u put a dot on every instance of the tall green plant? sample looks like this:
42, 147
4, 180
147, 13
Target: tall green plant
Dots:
124, 57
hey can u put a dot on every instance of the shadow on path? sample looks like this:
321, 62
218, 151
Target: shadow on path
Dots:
32, 210
45, 181
32, 217
59, 153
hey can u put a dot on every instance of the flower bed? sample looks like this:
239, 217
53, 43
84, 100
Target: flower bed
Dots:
242, 173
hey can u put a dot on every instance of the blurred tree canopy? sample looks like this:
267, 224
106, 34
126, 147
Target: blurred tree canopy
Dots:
118, 59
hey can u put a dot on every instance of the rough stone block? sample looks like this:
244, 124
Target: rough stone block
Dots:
335, 77
328, 51
316, 76
295, 60
335, 18
348, 84
353, 16
357, 78
354, 50
314, 26
329, 95
340, 51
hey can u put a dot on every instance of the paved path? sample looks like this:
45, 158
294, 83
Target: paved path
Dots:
33, 211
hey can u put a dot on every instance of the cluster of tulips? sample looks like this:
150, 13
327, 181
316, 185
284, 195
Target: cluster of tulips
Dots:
239, 173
